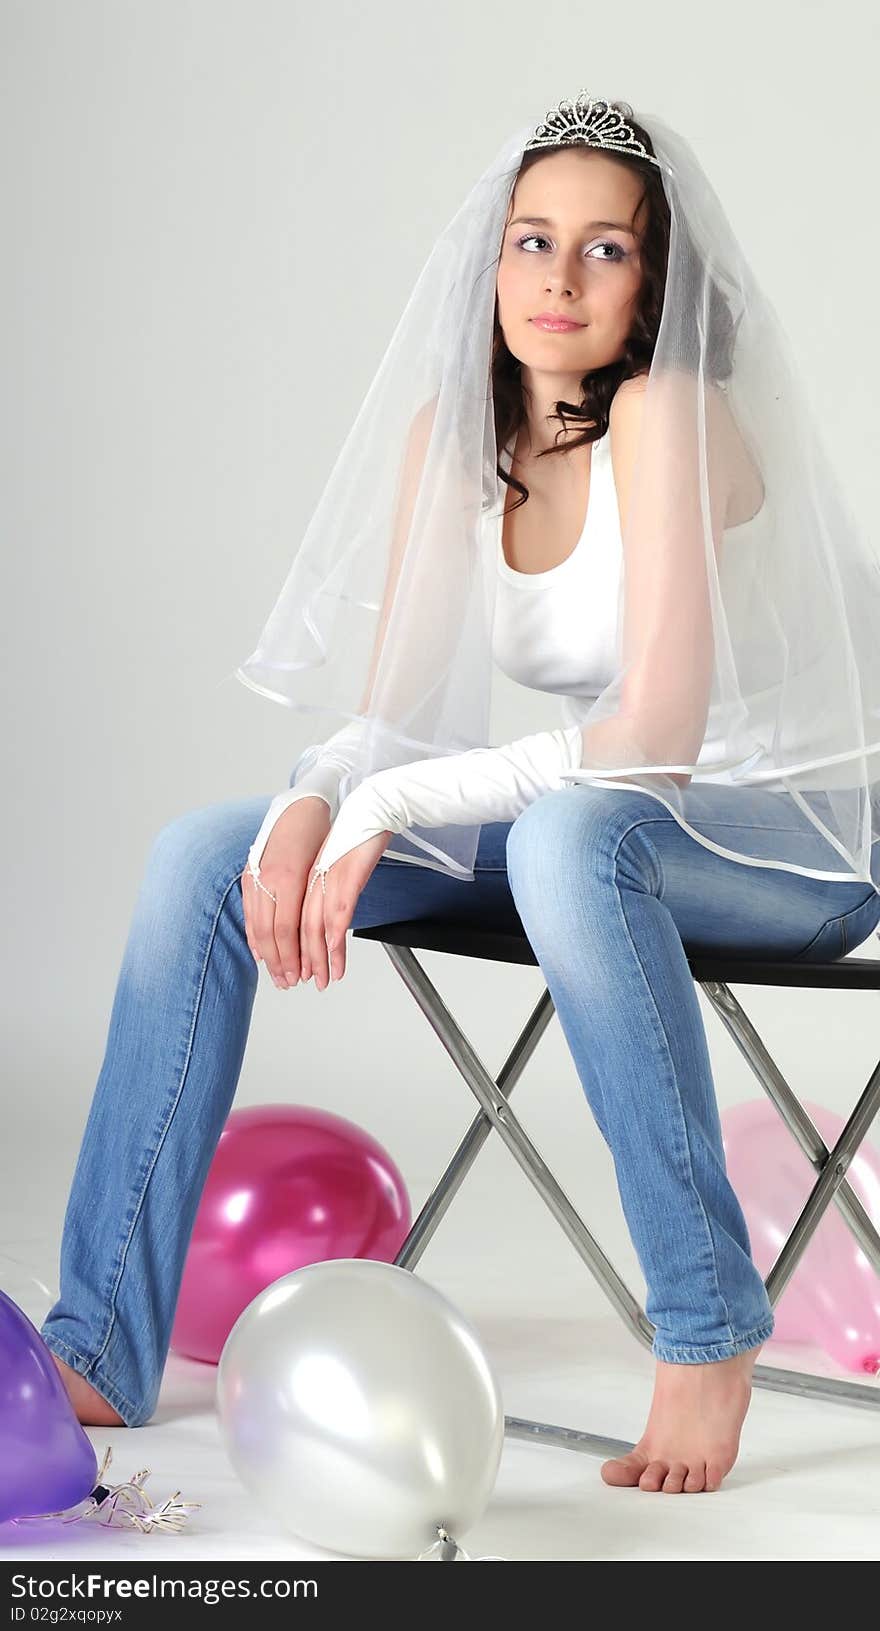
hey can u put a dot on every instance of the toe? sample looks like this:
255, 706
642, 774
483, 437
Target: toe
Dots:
715, 1471
673, 1483
696, 1478
653, 1475
624, 1470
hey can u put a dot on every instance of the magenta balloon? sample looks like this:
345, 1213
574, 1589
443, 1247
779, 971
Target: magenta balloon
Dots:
47, 1462
833, 1297
288, 1185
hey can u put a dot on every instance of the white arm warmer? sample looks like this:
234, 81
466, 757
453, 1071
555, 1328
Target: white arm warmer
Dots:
323, 779
484, 784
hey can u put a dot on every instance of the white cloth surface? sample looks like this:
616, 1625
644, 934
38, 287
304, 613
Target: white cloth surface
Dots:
484, 784
553, 631
557, 630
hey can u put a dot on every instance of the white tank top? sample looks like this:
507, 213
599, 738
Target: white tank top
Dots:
556, 631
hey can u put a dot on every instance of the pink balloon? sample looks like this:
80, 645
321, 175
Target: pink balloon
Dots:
288, 1185
833, 1297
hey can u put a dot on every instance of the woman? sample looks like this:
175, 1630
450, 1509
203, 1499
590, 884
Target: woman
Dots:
656, 846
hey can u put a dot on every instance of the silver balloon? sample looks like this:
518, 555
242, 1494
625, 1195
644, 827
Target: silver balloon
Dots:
357, 1403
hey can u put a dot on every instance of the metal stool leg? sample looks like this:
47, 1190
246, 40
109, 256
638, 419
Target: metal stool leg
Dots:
496, 1112
750, 1045
475, 1137
831, 1185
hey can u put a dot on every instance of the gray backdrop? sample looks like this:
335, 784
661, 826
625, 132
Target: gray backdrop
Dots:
184, 182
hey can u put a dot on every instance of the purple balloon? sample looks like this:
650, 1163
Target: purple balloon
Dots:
47, 1461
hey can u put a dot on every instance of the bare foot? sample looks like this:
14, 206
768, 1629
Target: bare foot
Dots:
90, 1407
692, 1437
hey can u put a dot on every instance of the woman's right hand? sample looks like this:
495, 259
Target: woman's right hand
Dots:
272, 927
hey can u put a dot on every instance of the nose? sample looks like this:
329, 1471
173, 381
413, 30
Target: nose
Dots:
559, 274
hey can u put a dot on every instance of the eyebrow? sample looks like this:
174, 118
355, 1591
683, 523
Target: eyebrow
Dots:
544, 221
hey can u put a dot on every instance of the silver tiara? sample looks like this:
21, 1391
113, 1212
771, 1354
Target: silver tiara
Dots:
595, 122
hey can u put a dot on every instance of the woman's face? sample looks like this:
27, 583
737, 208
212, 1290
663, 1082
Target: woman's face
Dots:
557, 255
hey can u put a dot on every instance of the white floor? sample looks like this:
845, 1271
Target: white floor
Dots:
807, 1484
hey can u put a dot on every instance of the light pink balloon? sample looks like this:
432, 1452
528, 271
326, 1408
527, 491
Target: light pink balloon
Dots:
833, 1297
288, 1185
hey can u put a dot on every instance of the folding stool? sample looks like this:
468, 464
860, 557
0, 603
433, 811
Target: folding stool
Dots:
715, 975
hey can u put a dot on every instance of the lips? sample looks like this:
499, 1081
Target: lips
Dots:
553, 321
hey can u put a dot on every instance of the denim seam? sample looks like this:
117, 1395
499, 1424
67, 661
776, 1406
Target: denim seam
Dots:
707, 1352
756, 826
642, 821
829, 923
108, 1390
840, 923
843, 920
655, 855
168, 1119
647, 821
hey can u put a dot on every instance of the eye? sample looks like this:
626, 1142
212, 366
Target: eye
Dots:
619, 254
607, 243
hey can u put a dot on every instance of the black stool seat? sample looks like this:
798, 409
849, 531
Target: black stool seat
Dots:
502, 946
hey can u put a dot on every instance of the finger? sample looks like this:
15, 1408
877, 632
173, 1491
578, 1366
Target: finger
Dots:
336, 924
254, 917
315, 936
263, 913
342, 892
246, 884
286, 928
336, 951
305, 958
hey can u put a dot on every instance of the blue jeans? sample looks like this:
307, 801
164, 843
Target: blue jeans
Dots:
609, 890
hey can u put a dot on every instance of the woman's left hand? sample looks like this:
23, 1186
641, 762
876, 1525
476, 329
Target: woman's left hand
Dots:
327, 912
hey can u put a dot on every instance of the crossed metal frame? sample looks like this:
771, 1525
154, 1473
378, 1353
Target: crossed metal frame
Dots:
714, 975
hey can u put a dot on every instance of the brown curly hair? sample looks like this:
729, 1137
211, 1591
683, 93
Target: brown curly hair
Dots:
599, 385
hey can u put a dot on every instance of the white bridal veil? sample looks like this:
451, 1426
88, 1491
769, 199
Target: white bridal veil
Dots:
749, 605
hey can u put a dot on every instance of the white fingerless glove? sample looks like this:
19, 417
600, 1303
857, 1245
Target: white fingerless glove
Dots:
325, 778
484, 784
